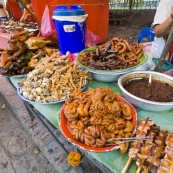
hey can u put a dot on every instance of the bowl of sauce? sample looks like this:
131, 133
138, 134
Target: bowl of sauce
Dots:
154, 96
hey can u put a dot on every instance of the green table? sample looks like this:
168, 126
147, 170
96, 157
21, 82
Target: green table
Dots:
113, 160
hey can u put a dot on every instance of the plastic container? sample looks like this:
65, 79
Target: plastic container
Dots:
70, 28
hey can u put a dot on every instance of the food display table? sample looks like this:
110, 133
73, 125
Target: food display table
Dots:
113, 160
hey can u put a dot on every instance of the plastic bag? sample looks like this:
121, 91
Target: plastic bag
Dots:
78, 19
147, 46
47, 23
90, 38
157, 47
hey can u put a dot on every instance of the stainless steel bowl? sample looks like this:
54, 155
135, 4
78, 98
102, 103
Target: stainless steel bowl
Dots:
112, 75
142, 103
106, 77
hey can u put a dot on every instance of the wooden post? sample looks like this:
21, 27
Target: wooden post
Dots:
165, 51
8, 2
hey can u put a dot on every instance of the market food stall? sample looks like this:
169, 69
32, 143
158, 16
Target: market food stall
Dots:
109, 157
80, 96
113, 160
55, 98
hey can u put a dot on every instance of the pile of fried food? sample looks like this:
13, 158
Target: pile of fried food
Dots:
114, 54
23, 52
97, 115
53, 79
11, 25
155, 155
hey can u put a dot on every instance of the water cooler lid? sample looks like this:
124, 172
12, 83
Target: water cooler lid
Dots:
69, 10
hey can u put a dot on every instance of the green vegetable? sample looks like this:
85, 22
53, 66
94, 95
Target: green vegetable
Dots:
8, 70
26, 69
7, 50
25, 45
26, 57
40, 57
15, 65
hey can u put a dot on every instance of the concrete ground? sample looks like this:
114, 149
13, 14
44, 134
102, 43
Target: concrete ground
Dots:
17, 148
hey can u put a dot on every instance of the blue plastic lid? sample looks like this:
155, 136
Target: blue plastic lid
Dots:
69, 10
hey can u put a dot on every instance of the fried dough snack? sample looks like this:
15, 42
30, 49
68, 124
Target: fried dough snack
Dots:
114, 54
97, 115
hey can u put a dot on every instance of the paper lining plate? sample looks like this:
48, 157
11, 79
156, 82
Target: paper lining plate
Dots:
45, 103
64, 127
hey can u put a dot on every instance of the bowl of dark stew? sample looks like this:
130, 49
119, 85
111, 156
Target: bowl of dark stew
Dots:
154, 96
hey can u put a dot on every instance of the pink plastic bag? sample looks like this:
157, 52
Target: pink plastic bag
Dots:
47, 23
90, 38
147, 46
72, 56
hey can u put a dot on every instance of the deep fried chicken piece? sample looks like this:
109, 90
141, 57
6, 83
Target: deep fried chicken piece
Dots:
36, 42
5, 57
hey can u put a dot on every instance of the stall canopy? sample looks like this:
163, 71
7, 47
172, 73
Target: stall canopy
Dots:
97, 10
13, 8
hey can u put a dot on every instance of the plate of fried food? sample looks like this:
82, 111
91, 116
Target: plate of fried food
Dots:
14, 68
52, 80
23, 52
90, 119
116, 55
37, 99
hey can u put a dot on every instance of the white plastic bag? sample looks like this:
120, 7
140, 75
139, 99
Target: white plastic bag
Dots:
157, 48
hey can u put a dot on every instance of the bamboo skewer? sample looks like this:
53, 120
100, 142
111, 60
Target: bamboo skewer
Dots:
152, 161
131, 138
157, 153
140, 167
171, 167
153, 132
125, 141
168, 157
141, 163
127, 165
130, 158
